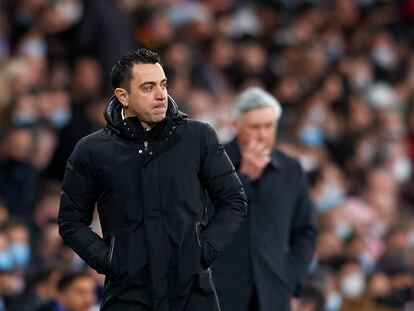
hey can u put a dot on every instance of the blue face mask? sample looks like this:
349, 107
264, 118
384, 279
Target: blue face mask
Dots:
311, 136
367, 261
343, 230
6, 261
333, 303
23, 118
61, 117
20, 253
331, 196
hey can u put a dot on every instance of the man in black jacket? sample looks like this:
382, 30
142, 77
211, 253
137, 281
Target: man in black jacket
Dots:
149, 171
265, 264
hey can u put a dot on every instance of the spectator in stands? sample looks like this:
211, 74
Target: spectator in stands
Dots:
76, 292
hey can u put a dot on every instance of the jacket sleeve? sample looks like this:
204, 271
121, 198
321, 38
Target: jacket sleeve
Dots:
225, 190
77, 205
247, 185
303, 233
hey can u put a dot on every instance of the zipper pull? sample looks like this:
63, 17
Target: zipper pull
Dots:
146, 146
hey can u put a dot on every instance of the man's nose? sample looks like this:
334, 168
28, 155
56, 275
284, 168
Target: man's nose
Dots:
262, 134
161, 93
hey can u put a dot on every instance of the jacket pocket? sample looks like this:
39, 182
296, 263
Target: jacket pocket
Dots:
111, 252
200, 245
198, 234
208, 253
112, 264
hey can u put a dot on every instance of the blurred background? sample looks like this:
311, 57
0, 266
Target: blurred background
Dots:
343, 71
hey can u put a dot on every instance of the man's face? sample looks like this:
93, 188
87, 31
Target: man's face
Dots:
257, 126
80, 295
19, 143
147, 98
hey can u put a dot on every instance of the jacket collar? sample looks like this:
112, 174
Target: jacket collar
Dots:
234, 153
126, 127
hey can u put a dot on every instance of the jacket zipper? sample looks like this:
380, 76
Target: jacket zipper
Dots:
105, 302
111, 253
111, 250
210, 279
198, 234
197, 228
145, 146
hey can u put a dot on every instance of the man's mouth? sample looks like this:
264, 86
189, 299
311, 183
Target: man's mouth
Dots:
159, 106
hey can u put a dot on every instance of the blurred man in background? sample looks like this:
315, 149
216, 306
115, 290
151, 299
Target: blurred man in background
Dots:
267, 261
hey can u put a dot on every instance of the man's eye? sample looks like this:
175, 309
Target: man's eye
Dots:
148, 88
164, 86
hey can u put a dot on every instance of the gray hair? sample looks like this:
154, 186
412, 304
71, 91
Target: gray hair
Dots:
255, 97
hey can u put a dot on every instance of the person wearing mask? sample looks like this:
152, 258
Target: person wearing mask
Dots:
266, 263
149, 171
357, 291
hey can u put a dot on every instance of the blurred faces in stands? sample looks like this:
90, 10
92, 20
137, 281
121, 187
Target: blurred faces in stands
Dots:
329, 190
47, 207
18, 144
329, 245
6, 259
86, 82
76, 292
19, 244
352, 281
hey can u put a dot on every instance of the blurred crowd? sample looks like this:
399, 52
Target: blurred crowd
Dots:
343, 71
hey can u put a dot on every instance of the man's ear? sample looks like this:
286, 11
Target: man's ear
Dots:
122, 95
235, 125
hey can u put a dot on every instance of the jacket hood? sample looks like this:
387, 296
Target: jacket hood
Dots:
112, 112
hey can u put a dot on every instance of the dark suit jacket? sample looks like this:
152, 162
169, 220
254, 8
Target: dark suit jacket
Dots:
274, 247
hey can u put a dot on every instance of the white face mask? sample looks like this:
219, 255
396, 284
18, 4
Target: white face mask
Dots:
33, 47
353, 285
401, 169
384, 56
308, 162
72, 11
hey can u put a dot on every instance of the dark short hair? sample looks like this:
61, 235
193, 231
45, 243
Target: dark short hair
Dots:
67, 279
121, 73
